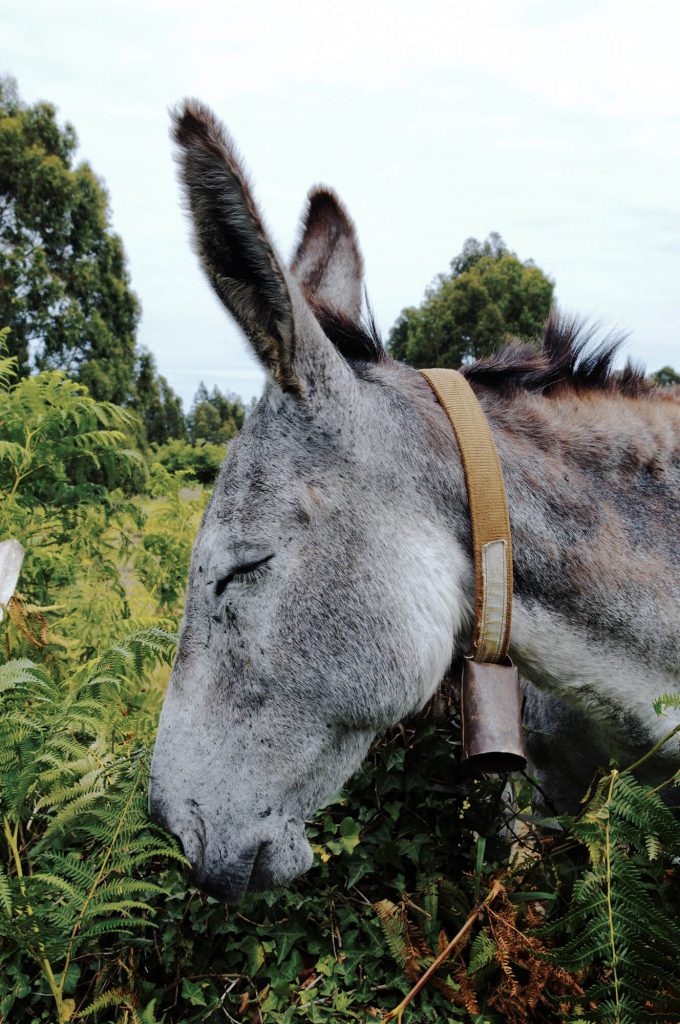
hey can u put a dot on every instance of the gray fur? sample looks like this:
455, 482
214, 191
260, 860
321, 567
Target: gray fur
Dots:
348, 480
327, 261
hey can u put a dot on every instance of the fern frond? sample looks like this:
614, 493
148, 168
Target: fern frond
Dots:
67, 865
6, 903
482, 951
9, 450
57, 882
114, 997
393, 929
616, 919
74, 810
95, 908
22, 672
105, 926
667, 702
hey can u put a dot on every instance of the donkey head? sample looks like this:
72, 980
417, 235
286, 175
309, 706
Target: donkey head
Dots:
325, 588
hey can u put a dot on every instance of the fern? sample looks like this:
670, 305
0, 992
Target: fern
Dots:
69, 770
667, 702
616, 920
482, 951
392, 924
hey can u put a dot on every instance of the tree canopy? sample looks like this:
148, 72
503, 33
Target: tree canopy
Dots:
156, 402
65, 290
64, 285
666, 376
488, 294
214, 416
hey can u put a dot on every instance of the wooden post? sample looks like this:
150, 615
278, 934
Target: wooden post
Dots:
11, 559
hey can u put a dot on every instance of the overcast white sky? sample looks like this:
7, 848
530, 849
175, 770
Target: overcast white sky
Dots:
555, 123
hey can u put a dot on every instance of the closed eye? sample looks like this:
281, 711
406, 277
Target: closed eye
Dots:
247, 572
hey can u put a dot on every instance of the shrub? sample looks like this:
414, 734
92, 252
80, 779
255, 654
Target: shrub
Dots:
199, 460
68, 478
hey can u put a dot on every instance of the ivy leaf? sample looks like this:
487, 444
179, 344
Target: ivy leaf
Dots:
192, 992
349, 834
255, 952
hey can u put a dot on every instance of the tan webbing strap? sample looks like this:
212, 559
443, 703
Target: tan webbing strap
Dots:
489, 518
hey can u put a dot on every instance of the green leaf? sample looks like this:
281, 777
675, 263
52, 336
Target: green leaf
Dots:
192, 992
349, 834
255, 953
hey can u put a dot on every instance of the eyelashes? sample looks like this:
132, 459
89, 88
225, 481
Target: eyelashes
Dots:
247, 572
251, 574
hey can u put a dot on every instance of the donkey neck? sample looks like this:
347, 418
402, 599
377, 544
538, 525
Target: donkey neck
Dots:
590, 482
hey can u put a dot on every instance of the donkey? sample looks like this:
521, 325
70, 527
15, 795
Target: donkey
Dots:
331, 583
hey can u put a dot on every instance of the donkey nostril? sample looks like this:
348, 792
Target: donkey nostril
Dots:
192, 846
259, 876
188, 836
157, 811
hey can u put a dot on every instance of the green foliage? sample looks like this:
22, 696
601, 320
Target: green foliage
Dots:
199, 460
488, 295
666, 376
67, 473
156, 403
65, 287
161, 557
65, 467
66, 291
316, 951
215, 417
622, 923
97, 922
78, 843
482, 951
59, 446
667, 702
402, 858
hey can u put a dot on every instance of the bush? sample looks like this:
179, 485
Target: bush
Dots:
68, 477
199, 460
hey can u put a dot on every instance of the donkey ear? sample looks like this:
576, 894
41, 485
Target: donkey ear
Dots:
231, 240
327, 261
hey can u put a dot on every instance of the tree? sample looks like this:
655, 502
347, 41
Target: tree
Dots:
64, 285
666, 376
215, 417
488, 295
157, 404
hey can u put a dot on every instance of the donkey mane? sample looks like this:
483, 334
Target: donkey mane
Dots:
571, 357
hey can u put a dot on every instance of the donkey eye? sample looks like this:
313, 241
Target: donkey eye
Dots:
247, 572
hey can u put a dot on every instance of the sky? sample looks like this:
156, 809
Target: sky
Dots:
554, 123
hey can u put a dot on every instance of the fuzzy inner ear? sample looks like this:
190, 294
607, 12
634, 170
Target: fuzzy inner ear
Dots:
231, 240
327, 261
